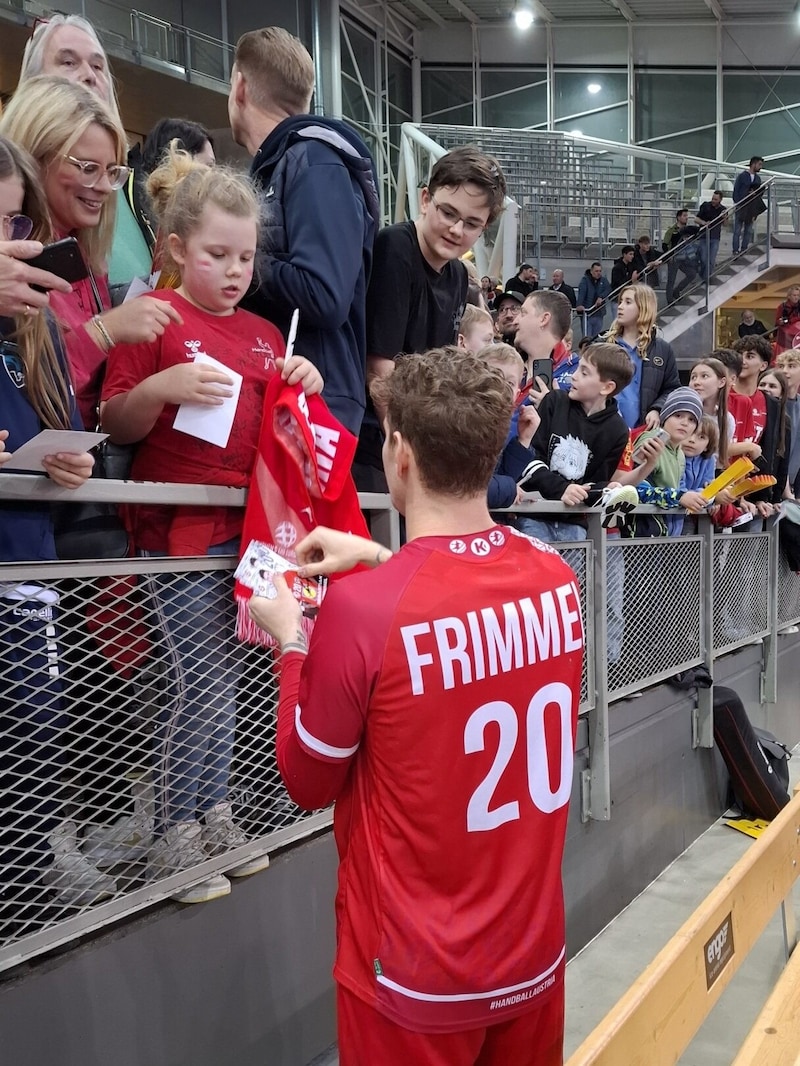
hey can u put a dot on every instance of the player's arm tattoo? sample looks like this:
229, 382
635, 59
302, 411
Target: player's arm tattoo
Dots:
298, 643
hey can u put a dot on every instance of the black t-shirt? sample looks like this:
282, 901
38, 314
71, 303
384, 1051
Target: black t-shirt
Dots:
410, 306
755, 329
707, 212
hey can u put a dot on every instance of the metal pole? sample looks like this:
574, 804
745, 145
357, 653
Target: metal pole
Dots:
550, 80
596, 779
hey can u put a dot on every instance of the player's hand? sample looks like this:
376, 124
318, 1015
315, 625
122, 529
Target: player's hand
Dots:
68, 469
139, 321
16, 277
574, 494
4, 455
751, 450
299, 371
329, 551
191, 383
278, 613
652, 420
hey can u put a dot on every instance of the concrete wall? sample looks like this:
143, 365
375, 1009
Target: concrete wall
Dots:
245, 981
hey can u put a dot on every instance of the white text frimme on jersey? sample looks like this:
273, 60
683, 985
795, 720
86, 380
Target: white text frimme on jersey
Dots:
490, 641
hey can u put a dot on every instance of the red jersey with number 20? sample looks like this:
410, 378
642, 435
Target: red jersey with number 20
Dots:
450, 678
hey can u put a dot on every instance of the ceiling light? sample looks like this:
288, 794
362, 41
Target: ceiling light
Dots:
523, 17
593, 87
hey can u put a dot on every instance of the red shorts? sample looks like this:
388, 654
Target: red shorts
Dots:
367, 1038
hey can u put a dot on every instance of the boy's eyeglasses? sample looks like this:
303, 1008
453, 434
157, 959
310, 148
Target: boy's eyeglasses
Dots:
92, 172
16, 227
452, 218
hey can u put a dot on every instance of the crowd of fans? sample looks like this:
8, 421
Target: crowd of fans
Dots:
605, 422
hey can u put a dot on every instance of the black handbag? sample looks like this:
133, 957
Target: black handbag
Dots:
92, 530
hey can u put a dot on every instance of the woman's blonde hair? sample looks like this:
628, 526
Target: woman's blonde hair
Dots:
180, 188
46, 116
46, 383
646, 312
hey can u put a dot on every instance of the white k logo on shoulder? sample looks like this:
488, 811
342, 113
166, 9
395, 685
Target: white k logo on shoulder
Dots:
480, 546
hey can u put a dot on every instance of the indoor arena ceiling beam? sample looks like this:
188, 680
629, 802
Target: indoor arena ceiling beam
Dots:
467, 12
624, 10
428, 12
715, 9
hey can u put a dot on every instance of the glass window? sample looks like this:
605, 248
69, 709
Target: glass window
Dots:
579, 91
363, 49
398, 82
745, 94
447, 95
354, 106
514, 98
669, 103
611, 125
762, 135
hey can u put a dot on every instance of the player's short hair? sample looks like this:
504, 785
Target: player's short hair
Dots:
611, 362
454, 412
708, 427
472, 316
789, 357
557, 304
470, 164
278, 69
760, 345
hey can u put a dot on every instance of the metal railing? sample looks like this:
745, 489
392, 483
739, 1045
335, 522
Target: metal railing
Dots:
92, 679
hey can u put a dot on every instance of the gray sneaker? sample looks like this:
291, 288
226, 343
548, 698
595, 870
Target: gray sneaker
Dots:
72, 878
221, 834
180, 850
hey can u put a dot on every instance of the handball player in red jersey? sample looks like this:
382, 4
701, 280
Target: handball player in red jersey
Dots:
436, 704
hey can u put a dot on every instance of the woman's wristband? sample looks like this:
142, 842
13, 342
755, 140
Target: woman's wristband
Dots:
106, 340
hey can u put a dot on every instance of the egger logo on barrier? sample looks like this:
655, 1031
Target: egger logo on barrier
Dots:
718, 950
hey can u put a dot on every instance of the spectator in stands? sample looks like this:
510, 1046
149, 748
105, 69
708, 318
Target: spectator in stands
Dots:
592, 294
417, 292
526, 280
474, 292
543, 323
744, 217
750, 326
200, 208
580, 441
431, 861
732, 361
788, 363
683, 255
646, 262
507, 311
559, 285
515, 456
191, 137
565, 365
655, 371
711, 214
623, 273
665, 477
321, 209
487, 288
789, 311
35, 394
80, 149
67, 46
476, 329
701, 451
709, 379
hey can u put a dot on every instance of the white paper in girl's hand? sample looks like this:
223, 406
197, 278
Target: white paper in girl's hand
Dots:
212, 424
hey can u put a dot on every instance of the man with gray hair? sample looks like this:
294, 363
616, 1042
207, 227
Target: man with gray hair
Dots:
559, 285
321, 212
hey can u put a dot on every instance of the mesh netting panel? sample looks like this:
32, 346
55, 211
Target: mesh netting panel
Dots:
127, 706
578, 558
788, 593
741, 587
654, 609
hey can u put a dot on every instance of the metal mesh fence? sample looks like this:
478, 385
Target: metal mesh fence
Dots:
741, 588
788, 593
655, 608
580, 559
128, 710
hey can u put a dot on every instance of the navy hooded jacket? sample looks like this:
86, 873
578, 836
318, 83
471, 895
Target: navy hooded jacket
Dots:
320, 214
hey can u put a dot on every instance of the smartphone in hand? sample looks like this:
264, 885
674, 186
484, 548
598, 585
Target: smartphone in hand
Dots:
62, 258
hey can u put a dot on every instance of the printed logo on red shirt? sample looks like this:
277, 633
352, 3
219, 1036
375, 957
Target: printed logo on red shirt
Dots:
480, 546
457, 547
497, 537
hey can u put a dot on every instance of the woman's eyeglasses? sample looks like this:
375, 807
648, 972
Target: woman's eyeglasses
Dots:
16, 227
92, 172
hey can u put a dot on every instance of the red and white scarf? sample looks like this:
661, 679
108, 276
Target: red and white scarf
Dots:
301, 479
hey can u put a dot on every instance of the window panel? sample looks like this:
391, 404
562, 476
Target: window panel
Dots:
611, 125
364, 51
763, 135
448, 90
579, 91
745, 94
525, 106
669, 103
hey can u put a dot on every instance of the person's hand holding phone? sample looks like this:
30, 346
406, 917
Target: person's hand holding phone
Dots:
16, 278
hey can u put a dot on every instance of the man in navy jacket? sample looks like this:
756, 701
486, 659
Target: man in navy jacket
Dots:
320, 213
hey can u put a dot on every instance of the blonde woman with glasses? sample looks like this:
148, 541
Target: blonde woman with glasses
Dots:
79, 147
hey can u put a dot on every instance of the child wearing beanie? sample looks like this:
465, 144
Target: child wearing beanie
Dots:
665, 476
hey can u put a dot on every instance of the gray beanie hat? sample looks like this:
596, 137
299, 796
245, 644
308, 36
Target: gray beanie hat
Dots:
680, 400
